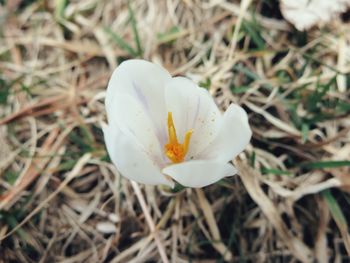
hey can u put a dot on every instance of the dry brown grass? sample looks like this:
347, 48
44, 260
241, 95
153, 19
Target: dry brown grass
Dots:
61, 200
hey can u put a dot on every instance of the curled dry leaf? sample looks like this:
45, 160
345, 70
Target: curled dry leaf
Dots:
304, 14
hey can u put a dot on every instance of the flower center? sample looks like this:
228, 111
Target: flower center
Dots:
173, 149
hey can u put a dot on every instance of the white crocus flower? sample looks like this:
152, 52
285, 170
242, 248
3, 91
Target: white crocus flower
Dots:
163, 129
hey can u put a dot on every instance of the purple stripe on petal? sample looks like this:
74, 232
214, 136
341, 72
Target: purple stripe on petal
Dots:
160, 132
141, 97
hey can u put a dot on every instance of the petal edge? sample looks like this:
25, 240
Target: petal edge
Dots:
130, 159
199, 173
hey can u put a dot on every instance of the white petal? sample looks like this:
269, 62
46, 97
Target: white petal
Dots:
304, 14
233, 137
145, 82
192, 108
131, 119
130, 158
199, 173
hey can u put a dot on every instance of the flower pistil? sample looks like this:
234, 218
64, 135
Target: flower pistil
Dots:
174, 150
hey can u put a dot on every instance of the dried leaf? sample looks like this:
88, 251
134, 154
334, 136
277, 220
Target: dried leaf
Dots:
250, 179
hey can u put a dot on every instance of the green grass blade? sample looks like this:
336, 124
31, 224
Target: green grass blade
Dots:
250, 74
240, 89
170, 36
253, 31
4, 91
325, 164
334, 207
304, 132
275, 171
135, 31
120, 42
60, 6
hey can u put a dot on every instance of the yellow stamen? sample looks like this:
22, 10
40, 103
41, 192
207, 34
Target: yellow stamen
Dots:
173, 149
